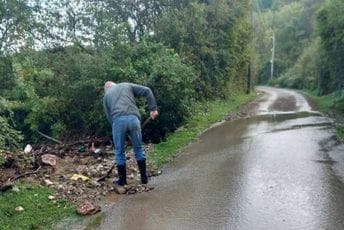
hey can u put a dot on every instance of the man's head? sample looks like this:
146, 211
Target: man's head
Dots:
108, 85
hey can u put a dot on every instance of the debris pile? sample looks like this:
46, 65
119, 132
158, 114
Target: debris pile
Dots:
80, 173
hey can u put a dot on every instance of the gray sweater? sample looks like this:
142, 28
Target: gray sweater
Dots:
119, 100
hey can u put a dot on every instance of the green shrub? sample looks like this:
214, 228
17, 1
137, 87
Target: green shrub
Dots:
9, 137
171, 80
339, 103
340, 132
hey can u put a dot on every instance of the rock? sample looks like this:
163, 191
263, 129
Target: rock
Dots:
87, 208
132, 169
120, 189
131, 176
131, 192
93, 172
147, 188
51, 197
15, 189
96, 183
81, 169
60, 187
99, 167
48, 182
49, 159
19, 209
62, 152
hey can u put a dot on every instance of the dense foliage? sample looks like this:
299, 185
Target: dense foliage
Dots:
56, 55
10, 138
331, 31
309, 44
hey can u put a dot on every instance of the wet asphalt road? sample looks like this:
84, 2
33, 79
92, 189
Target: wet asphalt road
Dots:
280, 169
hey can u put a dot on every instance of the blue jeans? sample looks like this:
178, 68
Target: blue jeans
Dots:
127, 125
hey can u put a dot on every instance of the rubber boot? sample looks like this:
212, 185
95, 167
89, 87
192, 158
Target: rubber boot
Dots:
122, 175
143, 173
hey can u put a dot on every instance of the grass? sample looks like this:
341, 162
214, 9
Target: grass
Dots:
324, 103
340, 132
328, 104
95, 222
204, 115
38, 211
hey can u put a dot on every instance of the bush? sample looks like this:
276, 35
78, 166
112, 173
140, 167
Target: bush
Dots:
170, 79
64, 97
9, 137
339, 105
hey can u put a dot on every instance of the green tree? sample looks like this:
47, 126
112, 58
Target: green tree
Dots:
178, 48
6, 75
135, 17
305, 73
17, 20
293, 24
331, 30
207, 34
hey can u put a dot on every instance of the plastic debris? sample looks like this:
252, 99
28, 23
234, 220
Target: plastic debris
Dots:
28, 149
82, 148
78, 176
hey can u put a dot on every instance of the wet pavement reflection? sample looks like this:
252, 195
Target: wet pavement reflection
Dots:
280, 169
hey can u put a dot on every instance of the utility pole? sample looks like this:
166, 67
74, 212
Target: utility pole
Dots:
272, 55
249, 77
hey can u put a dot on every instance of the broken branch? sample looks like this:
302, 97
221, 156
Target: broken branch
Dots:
50, 138
24, 174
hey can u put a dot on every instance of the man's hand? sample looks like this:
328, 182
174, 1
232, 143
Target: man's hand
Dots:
154, 114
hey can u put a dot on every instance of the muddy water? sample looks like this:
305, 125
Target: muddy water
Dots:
281, 169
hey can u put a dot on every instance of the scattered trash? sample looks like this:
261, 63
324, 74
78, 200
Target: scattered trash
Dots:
73, 176
82, 148
78, 176
51, 197
96, 152
28, 149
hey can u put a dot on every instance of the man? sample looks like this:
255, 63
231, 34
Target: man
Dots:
124, 117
